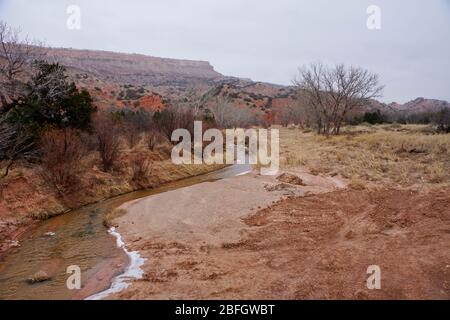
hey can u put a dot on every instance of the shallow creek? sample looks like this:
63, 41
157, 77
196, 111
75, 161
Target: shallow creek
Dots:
78, 238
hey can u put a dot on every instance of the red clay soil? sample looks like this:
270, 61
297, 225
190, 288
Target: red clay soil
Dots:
316, 247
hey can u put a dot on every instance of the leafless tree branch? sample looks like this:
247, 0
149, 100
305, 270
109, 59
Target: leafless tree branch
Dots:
334, 92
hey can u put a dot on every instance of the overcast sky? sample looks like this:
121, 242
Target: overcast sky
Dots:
262, 40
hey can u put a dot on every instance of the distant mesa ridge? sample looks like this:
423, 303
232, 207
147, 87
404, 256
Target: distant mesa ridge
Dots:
137, 69
154, 72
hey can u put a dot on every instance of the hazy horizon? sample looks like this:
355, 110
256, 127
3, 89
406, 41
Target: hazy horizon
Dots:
263, 41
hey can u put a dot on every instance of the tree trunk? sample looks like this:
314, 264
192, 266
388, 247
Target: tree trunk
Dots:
8, 167
338, 129
3, 102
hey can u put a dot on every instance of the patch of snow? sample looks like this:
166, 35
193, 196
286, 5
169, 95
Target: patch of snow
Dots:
243, 173
133, 270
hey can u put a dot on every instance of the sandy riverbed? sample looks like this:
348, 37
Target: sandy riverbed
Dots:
229, 240
179, 227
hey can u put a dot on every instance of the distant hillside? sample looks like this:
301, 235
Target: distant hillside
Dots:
262, 98
121, 79
136, 69
419, 105
419, 108
272, 98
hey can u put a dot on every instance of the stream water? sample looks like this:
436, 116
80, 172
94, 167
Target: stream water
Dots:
78, 238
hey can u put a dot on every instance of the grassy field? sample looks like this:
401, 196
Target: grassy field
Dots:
392, 155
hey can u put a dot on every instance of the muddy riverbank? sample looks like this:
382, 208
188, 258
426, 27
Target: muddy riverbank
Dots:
77, 238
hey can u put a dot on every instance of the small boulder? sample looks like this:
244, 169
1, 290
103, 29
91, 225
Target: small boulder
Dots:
14, 244
39, 276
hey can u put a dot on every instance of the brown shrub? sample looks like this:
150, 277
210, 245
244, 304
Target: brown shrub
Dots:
140, 167
153, 138
61, 154
132, 135
174, 118
107, 133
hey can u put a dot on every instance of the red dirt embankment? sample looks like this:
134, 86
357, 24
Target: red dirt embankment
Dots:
26, 198
320, 246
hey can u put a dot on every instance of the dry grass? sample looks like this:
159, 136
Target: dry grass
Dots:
391, 154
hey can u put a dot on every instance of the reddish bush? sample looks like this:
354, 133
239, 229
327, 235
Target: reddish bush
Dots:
153, 138
132, 134
61, 154
174, 118
107, 133
140, 167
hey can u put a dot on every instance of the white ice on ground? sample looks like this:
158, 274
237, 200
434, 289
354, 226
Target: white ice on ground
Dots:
133, 270
243, 173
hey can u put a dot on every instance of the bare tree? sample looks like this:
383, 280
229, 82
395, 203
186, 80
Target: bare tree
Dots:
132, 134
15, 143
292, 113
221, 110
141, 166
442, 120
243, 118
175, 117
153, 138
107, 133
193, 99
15, 55
227, 115
61, 154
332, 93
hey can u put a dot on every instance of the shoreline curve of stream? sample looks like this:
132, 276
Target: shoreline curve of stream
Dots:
79, 238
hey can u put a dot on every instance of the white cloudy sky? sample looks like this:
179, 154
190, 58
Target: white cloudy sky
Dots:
259, 39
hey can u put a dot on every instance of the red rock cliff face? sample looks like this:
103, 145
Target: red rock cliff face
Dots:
136, 69
152, 102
